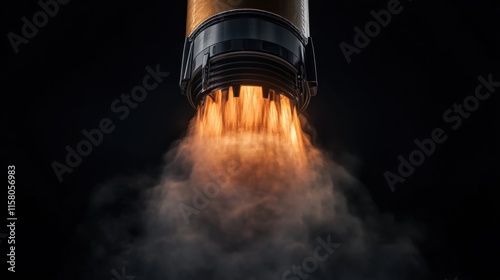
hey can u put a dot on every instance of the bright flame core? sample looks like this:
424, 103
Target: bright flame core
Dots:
257, 128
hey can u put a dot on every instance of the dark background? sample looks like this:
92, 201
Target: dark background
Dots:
366, 114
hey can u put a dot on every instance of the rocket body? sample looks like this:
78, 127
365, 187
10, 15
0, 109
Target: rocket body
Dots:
236, 43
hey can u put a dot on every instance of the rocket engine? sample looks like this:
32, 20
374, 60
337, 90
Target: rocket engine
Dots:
260, 43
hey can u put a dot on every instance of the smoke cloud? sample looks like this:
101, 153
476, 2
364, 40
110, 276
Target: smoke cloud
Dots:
245, 208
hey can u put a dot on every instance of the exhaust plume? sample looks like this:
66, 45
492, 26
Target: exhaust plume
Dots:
245, 195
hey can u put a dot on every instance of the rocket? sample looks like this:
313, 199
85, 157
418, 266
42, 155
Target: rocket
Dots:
234, 43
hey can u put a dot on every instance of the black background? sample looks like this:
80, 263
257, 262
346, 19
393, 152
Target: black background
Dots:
366, 114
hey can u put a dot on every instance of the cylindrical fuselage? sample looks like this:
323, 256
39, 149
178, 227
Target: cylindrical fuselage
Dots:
296, 11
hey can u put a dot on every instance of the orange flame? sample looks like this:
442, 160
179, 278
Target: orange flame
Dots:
252, 126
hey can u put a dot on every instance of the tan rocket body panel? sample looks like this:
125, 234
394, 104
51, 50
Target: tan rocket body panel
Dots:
295, 11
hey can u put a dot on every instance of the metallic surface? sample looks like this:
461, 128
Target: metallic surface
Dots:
295, 11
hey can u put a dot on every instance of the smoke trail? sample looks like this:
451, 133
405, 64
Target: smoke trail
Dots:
247, 204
